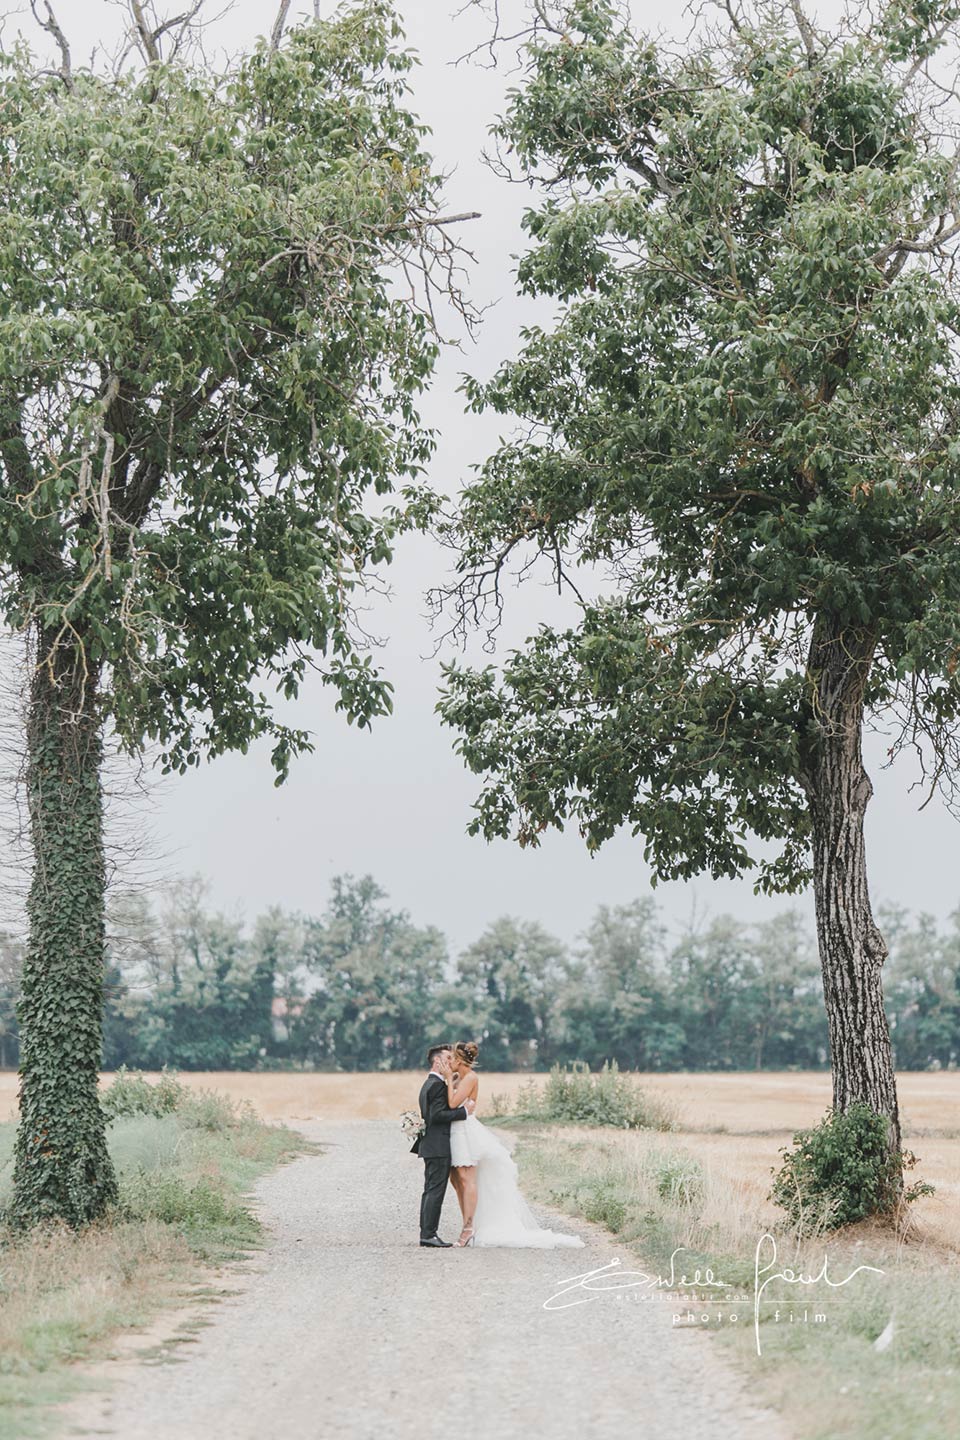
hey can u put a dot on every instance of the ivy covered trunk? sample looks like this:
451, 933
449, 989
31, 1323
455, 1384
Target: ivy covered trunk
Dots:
852, 949
62, 1167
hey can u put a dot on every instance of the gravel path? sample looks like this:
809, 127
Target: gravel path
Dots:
343, 1327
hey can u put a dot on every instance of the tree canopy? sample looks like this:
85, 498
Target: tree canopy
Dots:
745, 418
208, 370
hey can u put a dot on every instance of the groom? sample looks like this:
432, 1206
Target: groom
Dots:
433, 1146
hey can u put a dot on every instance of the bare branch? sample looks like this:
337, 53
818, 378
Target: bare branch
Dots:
276, 34
918, 247
148, 39
539, 23
447, 219
734, 16
807, 32
183, 21
52, 27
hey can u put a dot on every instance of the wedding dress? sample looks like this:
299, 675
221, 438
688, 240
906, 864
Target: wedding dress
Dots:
502, 1217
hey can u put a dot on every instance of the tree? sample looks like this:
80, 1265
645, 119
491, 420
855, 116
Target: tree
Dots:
923, 990
616, 1005
278, 942
513, 974
208, 989
712, 986
208, 382
373, 973
121, 1035
745, 419
786, 1007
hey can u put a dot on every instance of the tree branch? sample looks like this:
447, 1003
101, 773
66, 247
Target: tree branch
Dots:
807, 32
148, 39
52, 27
918, 247
445, 220
276, 34
184, 20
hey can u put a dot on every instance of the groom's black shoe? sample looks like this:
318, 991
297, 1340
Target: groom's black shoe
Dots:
435, 1243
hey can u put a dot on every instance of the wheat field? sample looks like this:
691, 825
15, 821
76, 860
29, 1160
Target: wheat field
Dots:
733, 1123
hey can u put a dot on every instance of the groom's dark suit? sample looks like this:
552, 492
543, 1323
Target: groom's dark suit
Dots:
433, 1147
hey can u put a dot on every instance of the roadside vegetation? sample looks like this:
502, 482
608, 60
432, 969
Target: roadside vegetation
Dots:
882, 1364
185, 1162
574, 1096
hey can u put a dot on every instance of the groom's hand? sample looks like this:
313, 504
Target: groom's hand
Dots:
471, 1106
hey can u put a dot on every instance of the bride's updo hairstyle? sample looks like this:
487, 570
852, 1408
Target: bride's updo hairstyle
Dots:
466, 1051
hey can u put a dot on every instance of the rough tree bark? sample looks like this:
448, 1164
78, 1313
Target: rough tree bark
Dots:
62, 1165
852, 949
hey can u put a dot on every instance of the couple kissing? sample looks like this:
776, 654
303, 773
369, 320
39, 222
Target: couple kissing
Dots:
458, 1149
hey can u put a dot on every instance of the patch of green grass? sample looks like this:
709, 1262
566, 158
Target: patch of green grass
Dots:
828, 1380
184, 1175
145, 1142
213, 1224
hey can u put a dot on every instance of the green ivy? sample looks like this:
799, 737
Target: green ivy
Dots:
62, 1167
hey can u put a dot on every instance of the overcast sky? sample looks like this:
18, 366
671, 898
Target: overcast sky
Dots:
395, 802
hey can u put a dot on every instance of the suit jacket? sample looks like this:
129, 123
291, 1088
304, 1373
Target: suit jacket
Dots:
434, 1143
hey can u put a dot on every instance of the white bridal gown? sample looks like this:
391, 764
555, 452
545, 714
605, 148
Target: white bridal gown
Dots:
503, 1217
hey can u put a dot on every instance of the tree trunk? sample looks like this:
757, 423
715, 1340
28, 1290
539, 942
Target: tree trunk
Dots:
852, 950
62, 1166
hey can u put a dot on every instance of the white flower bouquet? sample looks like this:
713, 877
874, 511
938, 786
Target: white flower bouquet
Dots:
412, 1124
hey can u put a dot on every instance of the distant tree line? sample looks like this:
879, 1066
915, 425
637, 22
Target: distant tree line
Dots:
362, 987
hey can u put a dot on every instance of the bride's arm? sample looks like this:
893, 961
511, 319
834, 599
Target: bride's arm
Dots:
466, 1089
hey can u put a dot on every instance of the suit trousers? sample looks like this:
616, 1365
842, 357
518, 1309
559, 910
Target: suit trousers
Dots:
436, 1173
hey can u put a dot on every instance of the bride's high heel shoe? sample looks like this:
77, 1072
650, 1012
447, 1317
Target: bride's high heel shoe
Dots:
466, 1236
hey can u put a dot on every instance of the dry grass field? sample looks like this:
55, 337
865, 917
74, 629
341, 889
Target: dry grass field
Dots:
733, 1123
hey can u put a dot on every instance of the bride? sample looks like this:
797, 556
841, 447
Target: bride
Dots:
484, 1175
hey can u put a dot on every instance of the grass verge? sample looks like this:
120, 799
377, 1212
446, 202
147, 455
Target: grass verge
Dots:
183, 1178
848, 1377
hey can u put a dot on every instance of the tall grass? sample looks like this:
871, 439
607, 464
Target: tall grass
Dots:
655, 1195
183, 1176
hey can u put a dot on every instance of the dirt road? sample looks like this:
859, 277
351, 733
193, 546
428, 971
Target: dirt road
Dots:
343, 1327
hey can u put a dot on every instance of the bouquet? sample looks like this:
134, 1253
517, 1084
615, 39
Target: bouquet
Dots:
412, 1124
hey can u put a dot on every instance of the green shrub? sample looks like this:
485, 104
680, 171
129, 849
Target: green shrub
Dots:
679, 1179
132, 1094
575, 1096
604, 1206
208, 1110
842, 1170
